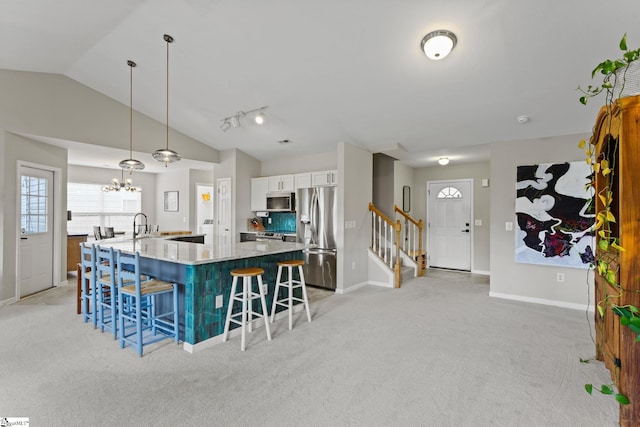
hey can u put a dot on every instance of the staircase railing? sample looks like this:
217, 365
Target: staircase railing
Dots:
412, 242
385, 240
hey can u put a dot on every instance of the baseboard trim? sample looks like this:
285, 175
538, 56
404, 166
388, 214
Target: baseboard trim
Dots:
343, 291
542, 301
212, 342
381, 284
7, 301
482, 272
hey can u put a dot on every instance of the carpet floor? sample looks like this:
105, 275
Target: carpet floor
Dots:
436, 352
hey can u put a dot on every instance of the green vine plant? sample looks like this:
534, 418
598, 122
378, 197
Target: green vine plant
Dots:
614, 77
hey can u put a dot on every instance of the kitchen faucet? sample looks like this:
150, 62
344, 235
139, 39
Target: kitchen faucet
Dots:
136, 230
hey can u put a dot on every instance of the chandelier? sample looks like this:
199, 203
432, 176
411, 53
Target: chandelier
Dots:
122, 184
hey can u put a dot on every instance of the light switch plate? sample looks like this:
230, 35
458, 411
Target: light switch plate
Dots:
219, 301
478, 222
508, 226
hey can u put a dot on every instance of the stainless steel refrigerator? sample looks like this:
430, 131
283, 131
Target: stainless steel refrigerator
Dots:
317, 223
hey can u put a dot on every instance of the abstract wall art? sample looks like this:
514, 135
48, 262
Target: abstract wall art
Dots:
554, 215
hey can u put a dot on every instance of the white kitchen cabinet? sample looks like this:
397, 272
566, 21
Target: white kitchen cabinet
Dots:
259, 190
281, 183
324, 178
303, 180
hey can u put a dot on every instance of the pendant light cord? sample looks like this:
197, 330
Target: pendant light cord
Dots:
131, 65
169, 39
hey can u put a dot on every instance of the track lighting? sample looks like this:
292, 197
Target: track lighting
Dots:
234, 120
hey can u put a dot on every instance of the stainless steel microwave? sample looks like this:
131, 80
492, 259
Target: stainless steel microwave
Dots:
281, 202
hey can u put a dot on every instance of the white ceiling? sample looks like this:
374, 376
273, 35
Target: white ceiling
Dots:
333, 70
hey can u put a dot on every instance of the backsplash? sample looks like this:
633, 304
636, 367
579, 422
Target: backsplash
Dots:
280, 221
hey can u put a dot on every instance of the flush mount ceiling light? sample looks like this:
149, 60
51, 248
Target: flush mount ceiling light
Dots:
234, 120
115, 185
438, 44
443, 161
131, 164
165, 155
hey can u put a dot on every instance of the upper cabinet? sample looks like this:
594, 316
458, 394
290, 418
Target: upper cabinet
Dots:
303, 180
259, 190
324, 178
281, 183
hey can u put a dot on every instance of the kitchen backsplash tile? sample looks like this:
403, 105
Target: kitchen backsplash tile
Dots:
280, 221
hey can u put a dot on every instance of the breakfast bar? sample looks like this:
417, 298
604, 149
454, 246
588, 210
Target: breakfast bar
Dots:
202, 272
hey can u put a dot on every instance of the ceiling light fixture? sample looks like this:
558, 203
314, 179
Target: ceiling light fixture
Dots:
438, 44
234, 120
225, 125
165, 155
443, 161
115, 185
131, 164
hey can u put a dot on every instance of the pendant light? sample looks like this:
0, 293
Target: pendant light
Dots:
131, 164
122, 184
164, 154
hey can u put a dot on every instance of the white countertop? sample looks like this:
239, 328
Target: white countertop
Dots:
161, 248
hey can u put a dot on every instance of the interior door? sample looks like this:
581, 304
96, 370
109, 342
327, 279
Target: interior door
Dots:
449, 224
36, 231
224, 207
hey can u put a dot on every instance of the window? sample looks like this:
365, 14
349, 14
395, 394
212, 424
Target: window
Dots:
34, 195
90, 206
449, 193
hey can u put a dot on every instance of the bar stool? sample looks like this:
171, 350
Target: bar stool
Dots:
107, 289
290, 284
138, 306
88, 283
246, 297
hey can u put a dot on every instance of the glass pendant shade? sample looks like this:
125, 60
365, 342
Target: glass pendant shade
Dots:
131, 164
165, 155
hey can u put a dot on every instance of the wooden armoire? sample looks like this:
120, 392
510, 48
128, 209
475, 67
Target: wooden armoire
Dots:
616, 135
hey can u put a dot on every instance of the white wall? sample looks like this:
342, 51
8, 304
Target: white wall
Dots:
526, 281
297, 164
20, 148
173, 180
146, 181
403, 175
54, 106
481, 203
355, 184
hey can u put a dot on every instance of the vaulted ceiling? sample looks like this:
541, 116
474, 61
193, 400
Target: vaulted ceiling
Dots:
335, 70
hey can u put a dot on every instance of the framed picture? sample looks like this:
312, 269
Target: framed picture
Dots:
406, 198
171, 201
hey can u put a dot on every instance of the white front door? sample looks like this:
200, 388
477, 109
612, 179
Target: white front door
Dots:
224, 207
36, 231
449, 225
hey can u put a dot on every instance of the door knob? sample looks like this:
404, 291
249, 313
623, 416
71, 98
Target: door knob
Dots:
465, 231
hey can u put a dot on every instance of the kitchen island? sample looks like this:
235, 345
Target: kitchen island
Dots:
202, 272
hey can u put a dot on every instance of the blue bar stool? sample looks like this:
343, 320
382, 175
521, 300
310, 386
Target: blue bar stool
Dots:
246, 297
140, 323
290, 284
107, 290
88, 280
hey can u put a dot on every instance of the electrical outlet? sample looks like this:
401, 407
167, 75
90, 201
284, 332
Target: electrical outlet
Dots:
353, 265
560, 277
265, 288
219, 301
268, 220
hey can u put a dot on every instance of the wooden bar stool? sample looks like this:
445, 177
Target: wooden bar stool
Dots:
141, 322
107, 288
246, 297
290, 284
88, 283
